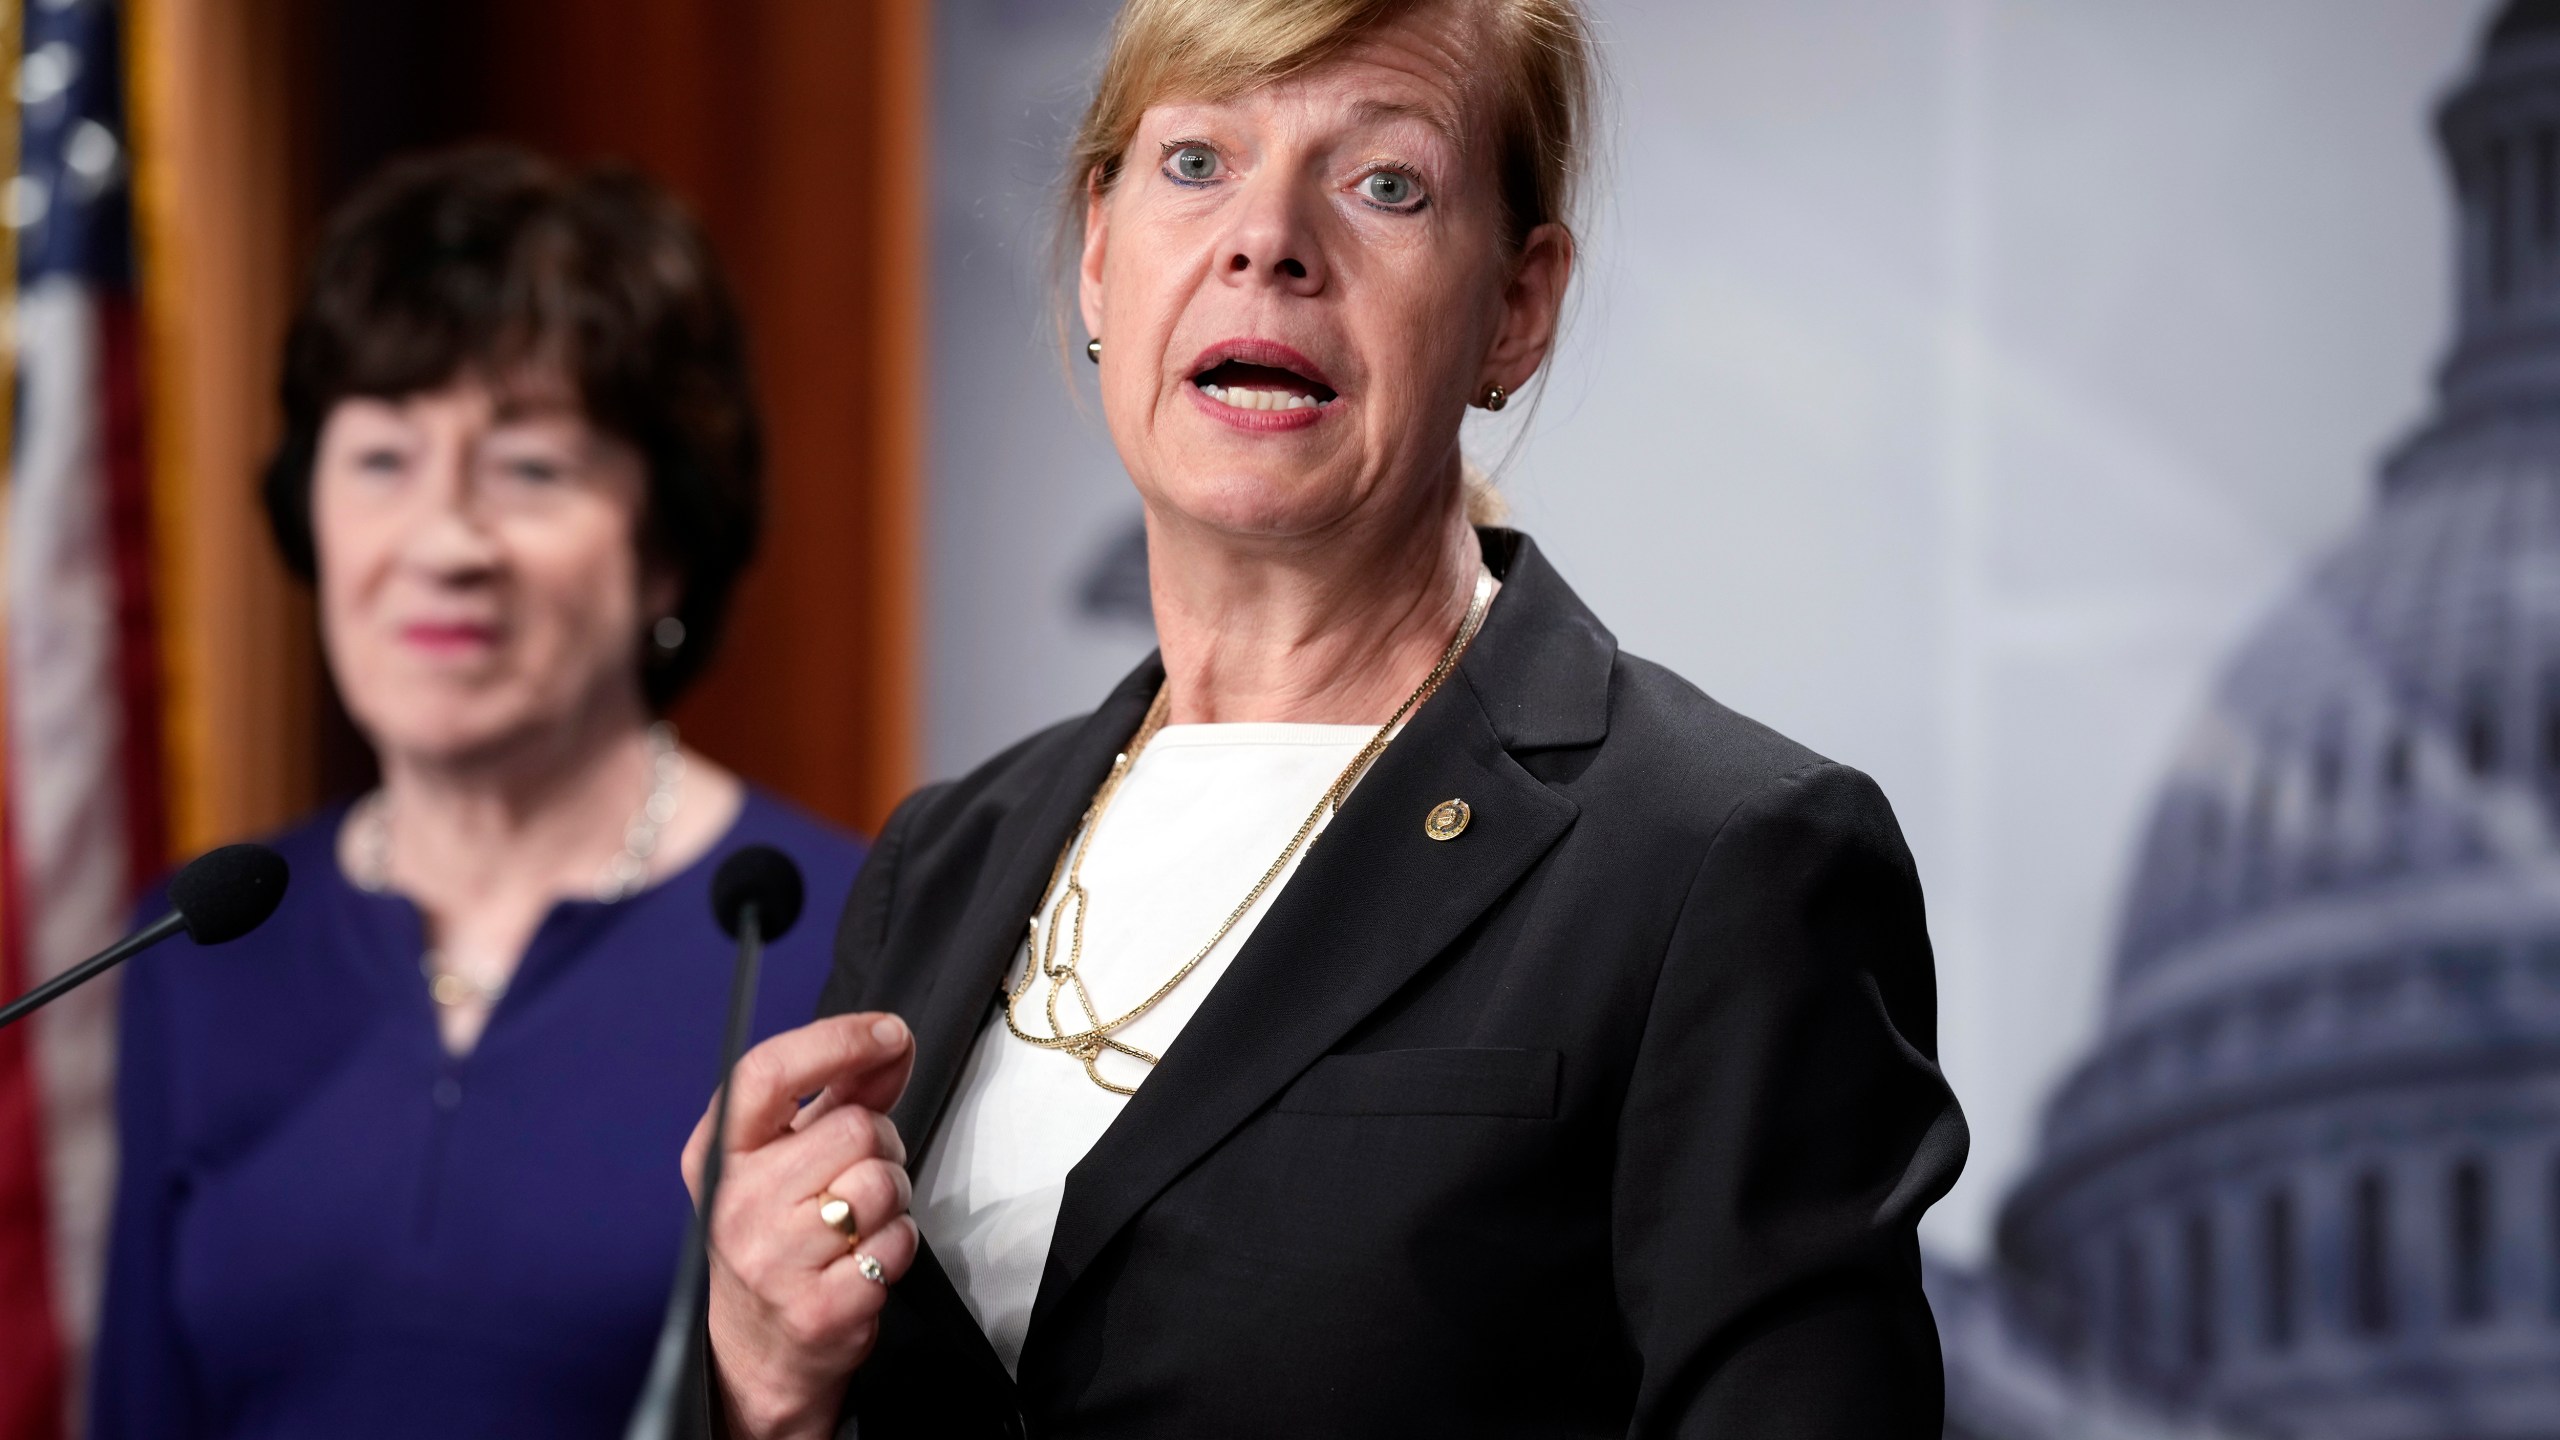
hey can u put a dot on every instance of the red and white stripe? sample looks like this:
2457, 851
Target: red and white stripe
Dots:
83, 817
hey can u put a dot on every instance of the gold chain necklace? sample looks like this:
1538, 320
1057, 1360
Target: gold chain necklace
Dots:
1097, 1038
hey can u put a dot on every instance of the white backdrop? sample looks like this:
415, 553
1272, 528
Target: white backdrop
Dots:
1950, 385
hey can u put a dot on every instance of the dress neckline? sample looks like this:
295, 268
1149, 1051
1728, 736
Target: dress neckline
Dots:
749, 800
568, 928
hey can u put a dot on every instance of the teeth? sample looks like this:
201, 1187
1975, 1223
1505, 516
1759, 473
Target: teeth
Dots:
1244, 399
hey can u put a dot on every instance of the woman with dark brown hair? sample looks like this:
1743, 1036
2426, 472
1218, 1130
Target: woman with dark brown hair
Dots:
396, 1165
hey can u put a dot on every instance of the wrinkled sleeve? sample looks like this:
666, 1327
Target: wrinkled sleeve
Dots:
141, 1382
1785, 1126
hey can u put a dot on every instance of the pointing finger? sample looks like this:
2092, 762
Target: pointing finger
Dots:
864, 1058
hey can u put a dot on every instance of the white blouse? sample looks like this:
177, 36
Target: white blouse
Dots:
1201, 815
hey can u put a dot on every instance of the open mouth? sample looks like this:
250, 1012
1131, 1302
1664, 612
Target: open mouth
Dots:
1258, 375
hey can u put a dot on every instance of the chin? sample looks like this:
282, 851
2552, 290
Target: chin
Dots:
448, 729
1260, 504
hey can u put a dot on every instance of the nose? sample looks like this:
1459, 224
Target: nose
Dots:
1274, 242
449, 539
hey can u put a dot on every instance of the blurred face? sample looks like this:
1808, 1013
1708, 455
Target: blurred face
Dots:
1301, 289
480, 573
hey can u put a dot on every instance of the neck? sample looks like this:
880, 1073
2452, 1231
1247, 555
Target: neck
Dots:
1335, 630
538, 819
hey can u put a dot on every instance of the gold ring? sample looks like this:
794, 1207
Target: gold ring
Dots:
836, 1213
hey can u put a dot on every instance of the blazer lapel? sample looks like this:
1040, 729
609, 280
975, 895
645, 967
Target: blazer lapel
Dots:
1373, 901
967, 976
962, 986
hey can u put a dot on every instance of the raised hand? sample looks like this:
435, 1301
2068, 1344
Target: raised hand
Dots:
795, 1302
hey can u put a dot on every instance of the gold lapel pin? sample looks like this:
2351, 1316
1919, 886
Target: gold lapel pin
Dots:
1447, 820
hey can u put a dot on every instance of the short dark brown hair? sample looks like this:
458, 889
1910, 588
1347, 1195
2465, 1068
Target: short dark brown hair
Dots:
484, 260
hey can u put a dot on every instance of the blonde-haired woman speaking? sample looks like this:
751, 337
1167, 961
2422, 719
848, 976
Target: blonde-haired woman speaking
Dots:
1429, 1019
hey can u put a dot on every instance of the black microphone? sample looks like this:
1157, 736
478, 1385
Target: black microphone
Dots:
761, 880
221, 895
756, 896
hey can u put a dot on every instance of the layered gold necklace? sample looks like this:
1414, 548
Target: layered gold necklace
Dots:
1098, 1037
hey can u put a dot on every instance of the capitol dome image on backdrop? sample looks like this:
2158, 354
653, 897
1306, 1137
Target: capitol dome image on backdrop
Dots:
2307, 1184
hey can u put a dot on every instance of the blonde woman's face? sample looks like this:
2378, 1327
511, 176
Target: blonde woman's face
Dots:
1300, 290
480, 573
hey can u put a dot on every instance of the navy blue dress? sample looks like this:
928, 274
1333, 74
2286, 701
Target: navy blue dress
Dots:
327, 1226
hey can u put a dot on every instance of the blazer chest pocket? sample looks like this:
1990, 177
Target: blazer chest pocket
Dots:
1515, 1084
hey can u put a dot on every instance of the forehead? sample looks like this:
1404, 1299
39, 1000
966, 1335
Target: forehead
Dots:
1423, 65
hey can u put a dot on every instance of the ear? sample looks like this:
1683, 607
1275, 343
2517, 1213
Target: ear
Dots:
1532, 304
661, 590
1097, 243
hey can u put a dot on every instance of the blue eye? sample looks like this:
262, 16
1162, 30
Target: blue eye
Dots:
1391, 190
536, 472
1192, 164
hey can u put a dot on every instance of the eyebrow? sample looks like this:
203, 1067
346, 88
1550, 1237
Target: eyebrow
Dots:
1402, 110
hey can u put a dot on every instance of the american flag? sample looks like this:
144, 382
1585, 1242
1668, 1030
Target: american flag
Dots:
81, 762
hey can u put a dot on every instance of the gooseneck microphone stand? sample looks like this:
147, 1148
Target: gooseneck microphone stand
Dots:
756, 889
221, 895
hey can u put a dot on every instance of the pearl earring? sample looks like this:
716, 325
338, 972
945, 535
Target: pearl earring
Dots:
1093, 350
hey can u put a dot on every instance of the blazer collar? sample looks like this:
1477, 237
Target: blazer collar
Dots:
1541, 663
1371, 904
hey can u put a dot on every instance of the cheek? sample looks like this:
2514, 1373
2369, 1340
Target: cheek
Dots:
1151, 274
578, 581
1421, 314
355, 551
1136, 256
352, 550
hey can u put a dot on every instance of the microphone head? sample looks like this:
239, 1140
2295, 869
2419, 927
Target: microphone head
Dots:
224, 894
763, 877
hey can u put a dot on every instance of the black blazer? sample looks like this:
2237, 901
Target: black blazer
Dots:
1611, 1116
